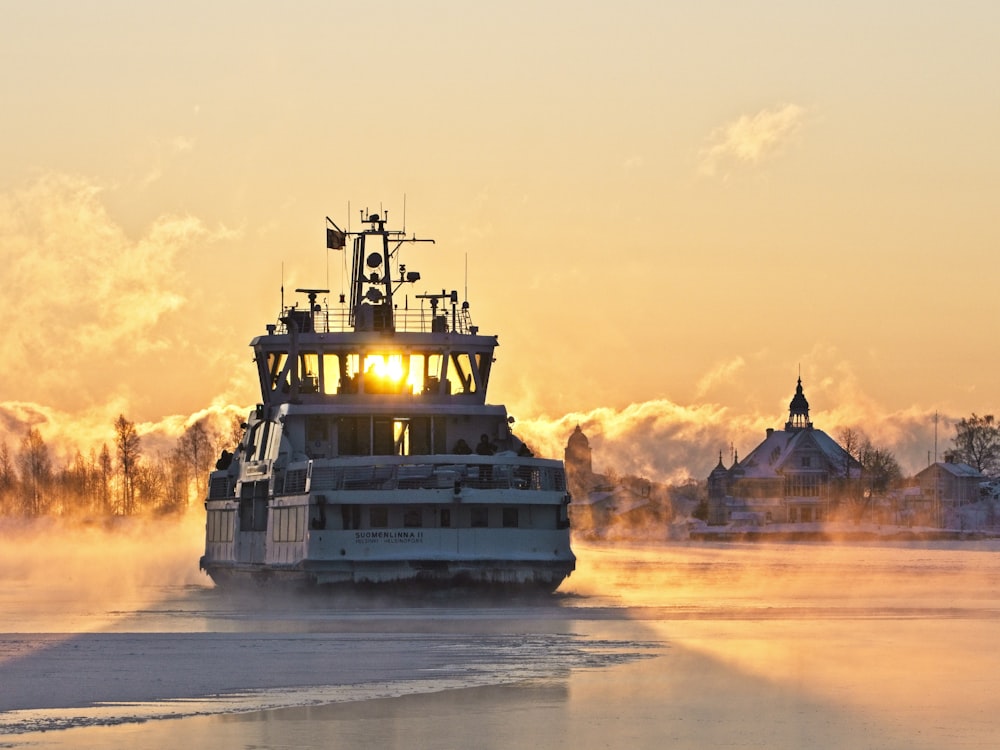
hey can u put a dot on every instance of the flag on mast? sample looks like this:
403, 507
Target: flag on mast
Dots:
336, 238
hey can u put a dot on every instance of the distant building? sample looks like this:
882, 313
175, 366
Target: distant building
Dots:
578, 456
947, 485
794, 476
603, 505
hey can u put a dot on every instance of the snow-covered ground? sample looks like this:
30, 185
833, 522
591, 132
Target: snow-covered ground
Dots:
116, 640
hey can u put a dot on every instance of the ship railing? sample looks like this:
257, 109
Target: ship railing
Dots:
421, 320
479, 473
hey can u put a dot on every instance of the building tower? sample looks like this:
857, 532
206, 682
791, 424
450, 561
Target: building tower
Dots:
798, 411
578, 454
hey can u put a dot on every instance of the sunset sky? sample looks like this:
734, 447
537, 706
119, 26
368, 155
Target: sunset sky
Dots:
668, 211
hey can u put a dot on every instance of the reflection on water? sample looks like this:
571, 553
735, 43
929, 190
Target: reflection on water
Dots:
781, 580
687, 646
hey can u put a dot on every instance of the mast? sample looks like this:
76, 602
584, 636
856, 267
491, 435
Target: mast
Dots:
371, 307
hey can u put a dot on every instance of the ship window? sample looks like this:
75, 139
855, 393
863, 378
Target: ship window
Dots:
401, 437
419, 436
308, 372
433, 372
354, 436
277, 371
562, 515
316, 428
288, 524
351, 516
480, 517
461, 374
220, 525
385, 373
413, 518
510, 518
330, 373
279, 527
378, 517
346, 374
483, 365
382, 434
445, 518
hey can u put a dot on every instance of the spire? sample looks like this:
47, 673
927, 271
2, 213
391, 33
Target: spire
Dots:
798, 411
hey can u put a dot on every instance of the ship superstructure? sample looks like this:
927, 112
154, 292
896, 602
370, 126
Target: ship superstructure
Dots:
373, 456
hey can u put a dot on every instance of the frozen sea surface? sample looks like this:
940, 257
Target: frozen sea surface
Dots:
686, 646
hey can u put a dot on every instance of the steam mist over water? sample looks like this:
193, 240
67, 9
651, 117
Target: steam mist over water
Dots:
668, 442
65, 575
782, 645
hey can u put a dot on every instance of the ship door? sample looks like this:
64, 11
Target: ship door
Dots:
249, 542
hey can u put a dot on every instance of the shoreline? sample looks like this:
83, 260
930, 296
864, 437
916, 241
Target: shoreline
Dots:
893, 534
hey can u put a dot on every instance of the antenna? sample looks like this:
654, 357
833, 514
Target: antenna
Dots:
466, 275
935, 435
282, 287
404, 213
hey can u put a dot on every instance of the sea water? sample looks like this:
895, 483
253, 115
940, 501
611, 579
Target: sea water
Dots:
681, 645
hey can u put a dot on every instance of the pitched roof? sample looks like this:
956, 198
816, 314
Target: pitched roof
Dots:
771, 457
956, 469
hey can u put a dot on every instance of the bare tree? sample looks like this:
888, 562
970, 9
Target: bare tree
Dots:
127, 445
152, 486
977, 443
75, 480
36, 473
879, 468
103, 473
196, 446
851, 441
237, 424
8, 479
177, 480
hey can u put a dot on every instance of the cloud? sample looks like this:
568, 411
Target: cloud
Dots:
668, 442
83, 300
665, 441
723, 373
751, 139
657, 439
163, 153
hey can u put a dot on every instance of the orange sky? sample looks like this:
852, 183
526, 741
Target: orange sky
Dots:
666, 210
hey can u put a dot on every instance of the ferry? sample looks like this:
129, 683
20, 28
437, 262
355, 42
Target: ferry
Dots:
373, 457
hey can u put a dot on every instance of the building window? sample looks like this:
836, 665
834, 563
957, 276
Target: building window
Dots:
803, 485
806, 462
413, 518
479, 518
445, 518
